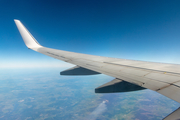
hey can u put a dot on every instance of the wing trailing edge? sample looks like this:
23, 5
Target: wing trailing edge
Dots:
174, 115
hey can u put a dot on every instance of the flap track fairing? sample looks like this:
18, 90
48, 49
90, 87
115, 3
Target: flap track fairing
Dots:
118, 85
78, 71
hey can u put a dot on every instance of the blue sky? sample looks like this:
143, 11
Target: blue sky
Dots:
139, 30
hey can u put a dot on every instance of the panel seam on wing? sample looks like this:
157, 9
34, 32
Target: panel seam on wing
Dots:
143, 68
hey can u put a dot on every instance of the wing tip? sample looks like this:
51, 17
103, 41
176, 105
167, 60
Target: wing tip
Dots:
29, 40
16, 20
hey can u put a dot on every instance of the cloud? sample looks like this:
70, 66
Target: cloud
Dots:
98, 111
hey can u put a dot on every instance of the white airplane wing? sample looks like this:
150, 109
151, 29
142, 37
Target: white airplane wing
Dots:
130, 75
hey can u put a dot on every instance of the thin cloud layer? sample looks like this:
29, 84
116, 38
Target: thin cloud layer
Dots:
98, 111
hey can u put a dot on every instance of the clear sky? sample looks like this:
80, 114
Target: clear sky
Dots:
130, 29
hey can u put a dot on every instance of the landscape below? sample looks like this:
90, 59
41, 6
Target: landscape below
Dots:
42, 94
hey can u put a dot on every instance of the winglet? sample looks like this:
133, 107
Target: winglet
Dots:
29, 40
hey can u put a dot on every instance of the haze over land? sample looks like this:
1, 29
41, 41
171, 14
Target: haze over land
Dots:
29, 94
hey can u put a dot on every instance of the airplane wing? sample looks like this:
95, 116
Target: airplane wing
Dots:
160, 77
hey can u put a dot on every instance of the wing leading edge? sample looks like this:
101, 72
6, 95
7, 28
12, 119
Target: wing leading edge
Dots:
160, 77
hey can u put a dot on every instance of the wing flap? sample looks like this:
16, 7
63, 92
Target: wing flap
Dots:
171, 91
174, 115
